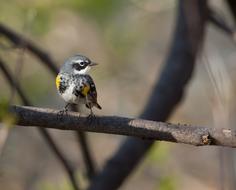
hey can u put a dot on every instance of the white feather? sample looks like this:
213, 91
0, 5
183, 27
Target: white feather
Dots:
83, 71
68, 96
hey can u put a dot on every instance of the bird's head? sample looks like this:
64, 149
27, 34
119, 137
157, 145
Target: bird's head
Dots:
77, 64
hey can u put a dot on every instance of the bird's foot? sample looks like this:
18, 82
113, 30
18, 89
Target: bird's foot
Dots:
61, 113
91, 117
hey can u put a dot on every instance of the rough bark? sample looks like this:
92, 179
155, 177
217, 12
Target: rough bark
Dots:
143, 129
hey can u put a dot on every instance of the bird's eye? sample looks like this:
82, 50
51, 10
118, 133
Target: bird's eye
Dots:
82, 64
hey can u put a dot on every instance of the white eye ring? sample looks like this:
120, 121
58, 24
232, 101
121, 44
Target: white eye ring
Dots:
81, 63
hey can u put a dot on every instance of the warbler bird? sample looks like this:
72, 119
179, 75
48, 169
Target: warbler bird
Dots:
74, 85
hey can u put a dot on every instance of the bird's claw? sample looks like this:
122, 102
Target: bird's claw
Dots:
91, 117
61, 113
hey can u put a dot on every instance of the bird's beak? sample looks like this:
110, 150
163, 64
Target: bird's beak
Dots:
93, 64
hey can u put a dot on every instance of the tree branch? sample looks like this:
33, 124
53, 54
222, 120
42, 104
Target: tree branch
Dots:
144, 129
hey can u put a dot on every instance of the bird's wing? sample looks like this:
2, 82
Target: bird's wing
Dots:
90, 87
86, 88
92, 93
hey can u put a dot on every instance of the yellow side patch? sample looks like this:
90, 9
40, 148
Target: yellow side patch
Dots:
58, 80
85, 90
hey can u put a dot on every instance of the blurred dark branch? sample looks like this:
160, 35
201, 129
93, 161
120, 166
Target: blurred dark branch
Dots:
144, 129
42, 55
167, 93
13, 83
69, 170
232, 7
89, 162
84, 147
20, 41
220, 23
18, 70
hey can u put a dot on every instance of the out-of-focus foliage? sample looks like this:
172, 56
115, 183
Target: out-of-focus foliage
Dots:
65, 184
167, 183
99, 10
26, 16
159, 153
3, 107
5, 117
38, 20
59, 186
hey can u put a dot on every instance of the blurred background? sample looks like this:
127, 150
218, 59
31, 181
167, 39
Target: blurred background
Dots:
130, 41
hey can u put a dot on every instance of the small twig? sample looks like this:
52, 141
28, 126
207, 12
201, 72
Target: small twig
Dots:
145, 129
18, 40
220, 23
21, 55
89, 163
85, 150
44, 132
17, 71
13, 82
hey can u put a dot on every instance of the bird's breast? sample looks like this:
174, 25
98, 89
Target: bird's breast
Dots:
68, 94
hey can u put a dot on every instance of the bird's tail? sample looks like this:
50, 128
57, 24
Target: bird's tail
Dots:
97, 106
